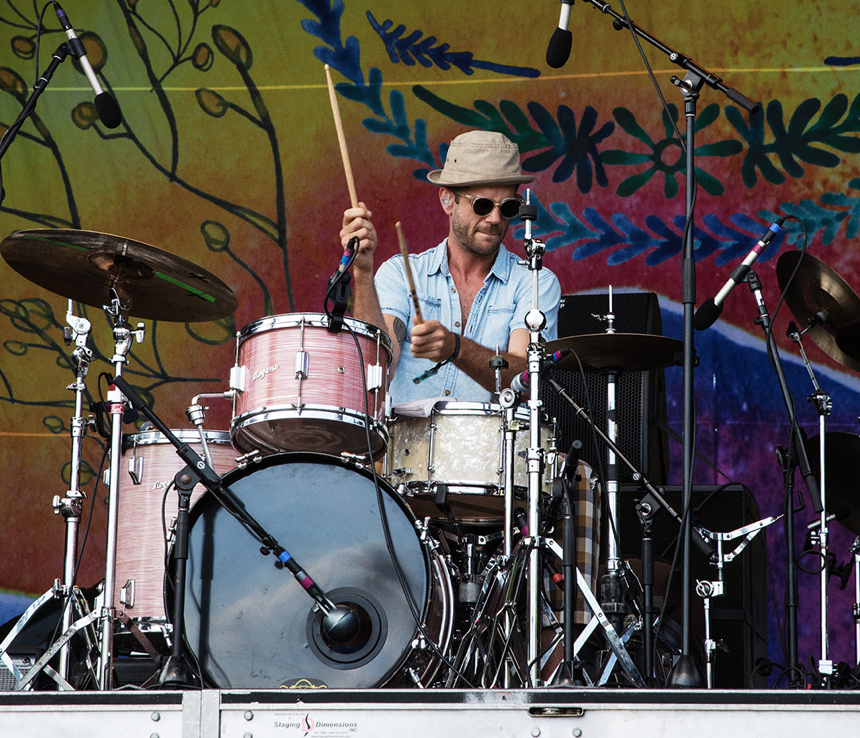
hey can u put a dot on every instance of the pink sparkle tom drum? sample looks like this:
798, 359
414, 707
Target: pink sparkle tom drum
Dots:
301, 388
150, 463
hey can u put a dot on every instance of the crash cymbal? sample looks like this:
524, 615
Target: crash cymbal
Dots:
632, 352
819, 297
87, 267
842, 476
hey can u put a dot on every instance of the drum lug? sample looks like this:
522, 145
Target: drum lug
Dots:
248, 458
302, 364
238, 375
374, 377
126, 593
360, 460
403, 471
135, 469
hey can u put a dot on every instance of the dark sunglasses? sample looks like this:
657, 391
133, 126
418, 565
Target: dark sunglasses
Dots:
483, 206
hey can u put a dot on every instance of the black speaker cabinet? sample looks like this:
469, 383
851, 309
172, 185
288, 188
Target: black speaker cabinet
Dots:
640, 396
738, 618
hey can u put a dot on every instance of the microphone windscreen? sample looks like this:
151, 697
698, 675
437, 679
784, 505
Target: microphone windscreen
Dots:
558, 51
707, 314
108, 110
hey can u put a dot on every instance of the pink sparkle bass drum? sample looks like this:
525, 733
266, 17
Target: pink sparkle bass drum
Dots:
301, 388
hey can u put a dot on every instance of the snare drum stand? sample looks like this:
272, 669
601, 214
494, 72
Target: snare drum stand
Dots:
123, 338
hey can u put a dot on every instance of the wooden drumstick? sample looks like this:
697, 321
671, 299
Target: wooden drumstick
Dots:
344, 154
406, 265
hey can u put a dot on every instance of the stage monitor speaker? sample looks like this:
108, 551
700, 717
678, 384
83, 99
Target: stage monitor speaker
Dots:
640, 396
738, 618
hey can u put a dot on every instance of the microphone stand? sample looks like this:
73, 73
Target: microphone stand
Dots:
57, 58
685, 673
176, 671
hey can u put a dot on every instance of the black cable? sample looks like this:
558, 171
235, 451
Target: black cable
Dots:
383, 516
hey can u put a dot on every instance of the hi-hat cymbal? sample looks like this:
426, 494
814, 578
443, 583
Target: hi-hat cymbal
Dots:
89, 267
632, 352
819, 297
842, 474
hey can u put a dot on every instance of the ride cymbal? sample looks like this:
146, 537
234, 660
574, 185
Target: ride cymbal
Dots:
90, 267
822, 301
632, 352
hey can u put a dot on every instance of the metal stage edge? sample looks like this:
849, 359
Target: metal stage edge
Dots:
537, 713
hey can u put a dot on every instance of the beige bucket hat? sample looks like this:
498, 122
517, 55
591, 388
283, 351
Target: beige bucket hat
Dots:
480, 157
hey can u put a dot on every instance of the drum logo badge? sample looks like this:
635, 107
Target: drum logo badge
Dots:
260, 373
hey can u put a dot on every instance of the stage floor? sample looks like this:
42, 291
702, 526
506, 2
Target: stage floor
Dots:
540, 713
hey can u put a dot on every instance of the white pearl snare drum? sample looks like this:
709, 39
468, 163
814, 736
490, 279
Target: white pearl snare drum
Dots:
461, 444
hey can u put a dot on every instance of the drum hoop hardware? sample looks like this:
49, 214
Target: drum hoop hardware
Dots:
238, 378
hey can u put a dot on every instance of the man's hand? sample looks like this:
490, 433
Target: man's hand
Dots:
431, 340
356, 223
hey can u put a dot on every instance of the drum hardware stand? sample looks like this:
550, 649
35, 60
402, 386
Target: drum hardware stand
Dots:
535, 322
815, 489
340, 622
654, 498
707, 590
648, 609
823, 405
855, 550
70, 506
124, 336
196, 415
610, 586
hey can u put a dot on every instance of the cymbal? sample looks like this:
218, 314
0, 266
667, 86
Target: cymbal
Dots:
632, 352
87, 266
818, 295
842, 475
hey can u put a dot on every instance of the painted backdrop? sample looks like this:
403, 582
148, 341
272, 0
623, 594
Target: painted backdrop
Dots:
227, 156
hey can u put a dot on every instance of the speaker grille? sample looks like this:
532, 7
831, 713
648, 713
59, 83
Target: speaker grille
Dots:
640, 396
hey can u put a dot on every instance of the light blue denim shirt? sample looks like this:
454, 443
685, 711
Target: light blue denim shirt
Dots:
499, 308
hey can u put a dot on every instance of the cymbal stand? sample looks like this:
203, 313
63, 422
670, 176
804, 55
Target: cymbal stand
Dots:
70, 506
124, 336
535, 322
610, 587
823, 405
707, 590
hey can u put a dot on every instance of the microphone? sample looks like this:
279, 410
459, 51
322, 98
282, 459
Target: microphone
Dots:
710, 310
106, 106
341, 624
521, 383
558, 51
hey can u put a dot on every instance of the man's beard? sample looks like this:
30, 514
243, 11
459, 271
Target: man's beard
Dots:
466, 236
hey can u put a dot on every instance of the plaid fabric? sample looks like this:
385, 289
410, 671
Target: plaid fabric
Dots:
587, 535
587, 525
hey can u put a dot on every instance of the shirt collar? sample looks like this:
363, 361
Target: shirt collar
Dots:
501, 266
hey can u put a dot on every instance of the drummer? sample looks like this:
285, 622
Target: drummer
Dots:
473, 292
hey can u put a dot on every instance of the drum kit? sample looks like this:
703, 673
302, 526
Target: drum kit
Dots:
435, 537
